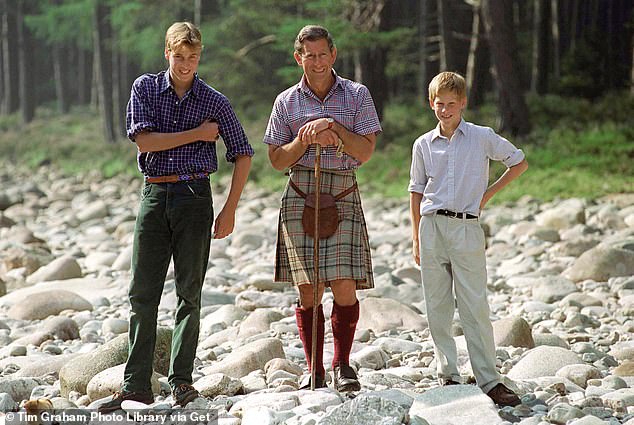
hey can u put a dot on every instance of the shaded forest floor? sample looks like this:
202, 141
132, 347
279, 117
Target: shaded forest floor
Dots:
577, 148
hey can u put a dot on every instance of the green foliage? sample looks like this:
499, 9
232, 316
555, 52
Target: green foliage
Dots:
69, 22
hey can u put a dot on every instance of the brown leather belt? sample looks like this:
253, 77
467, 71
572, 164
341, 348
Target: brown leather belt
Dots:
176, 178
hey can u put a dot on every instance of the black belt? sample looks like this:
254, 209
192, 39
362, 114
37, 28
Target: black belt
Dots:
454, 214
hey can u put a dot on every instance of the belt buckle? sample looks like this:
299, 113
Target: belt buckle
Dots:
452, 214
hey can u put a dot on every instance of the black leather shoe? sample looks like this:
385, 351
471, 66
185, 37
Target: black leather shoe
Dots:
183, 394
345, 378
449, 382
120, 396
320, 382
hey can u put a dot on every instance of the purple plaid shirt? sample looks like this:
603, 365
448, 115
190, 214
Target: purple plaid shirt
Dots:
154, 106
348, 102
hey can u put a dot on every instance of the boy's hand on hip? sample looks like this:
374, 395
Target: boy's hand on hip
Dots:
224, 224
485, 198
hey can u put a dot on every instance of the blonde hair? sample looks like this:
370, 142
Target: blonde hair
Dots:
183, 33
451, 81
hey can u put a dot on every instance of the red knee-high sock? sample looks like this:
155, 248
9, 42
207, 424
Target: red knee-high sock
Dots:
344, 323
304, 319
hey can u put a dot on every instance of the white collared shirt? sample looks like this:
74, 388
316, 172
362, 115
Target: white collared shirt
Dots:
453, 174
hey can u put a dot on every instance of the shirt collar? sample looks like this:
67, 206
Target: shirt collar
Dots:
165, 83
462, 127
303, 85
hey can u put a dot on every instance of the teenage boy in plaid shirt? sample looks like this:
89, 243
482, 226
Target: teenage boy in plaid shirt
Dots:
175, 119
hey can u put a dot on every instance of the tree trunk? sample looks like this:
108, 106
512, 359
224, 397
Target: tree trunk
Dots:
554, 13
476, 61
539, 67
444, 36
473, 46
60, 86
102, 64
83, 82
632, 70
501, 35
24, 87
2, 55
422, 49
374, 77
198, 9
116, 87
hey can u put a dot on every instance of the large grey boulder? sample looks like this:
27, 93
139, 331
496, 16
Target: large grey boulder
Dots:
75, 375
110, 380
601, 263
258, 321
456, 405
543, 361
513, 331
218, 384
366, 409
549, 289
382, 314
42, 367
40, 305
250, 357
563, 215
65, 267
18, 388
63, 328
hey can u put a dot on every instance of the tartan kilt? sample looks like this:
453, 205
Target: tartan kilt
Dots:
344, 255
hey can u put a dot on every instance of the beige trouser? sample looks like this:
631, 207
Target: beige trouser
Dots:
452, 250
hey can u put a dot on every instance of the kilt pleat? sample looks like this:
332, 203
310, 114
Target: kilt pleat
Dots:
344, 255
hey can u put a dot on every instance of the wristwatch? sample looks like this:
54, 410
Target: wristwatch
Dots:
331, 122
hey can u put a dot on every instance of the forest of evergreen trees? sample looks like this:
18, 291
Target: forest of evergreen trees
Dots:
65, 53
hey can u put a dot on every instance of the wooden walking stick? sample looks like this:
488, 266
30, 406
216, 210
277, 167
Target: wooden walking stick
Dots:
313, 352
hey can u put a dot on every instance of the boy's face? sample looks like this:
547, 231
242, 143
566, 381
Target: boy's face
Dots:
448, 108
316, 60
183, 61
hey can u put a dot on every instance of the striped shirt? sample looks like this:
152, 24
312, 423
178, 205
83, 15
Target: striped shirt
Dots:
154, 106
454, 174
348, 102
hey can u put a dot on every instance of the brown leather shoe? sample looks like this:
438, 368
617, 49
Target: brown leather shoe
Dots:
120, 396
502, 396
183, 394
345, 378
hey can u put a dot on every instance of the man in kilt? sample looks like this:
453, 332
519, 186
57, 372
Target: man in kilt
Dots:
337, 116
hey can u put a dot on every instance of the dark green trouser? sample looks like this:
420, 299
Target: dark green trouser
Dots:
175, 219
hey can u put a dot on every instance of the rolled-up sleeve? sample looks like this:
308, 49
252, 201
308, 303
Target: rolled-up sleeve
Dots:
232, 132
417, 173
278, 132
500, 149
366, 120
139, 112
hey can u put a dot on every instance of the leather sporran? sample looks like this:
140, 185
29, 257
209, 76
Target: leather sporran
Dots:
328, 212
328, 215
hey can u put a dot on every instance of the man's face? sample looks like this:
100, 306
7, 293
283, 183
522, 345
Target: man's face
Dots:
448, 108
183, 61
317, 59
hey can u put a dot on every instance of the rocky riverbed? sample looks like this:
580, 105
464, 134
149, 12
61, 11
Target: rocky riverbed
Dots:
561, 282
